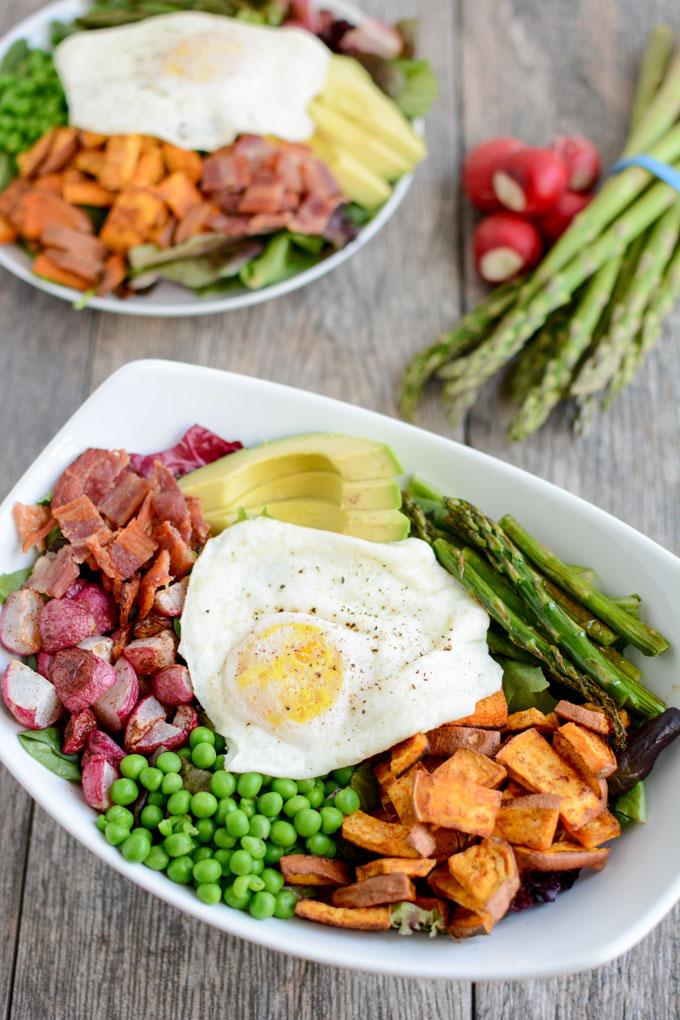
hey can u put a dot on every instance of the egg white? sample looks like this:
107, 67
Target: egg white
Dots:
391, 644
196, 80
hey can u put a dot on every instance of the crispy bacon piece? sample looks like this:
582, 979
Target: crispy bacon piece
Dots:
125, 593
226, 170
93, 474
167, 502
182, 556
157, 576
74, 251
54, 573
131, 549
79, 520
200, 529
33, 524
125, 498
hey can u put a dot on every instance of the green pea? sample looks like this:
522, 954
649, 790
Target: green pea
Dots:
209, 893
234, 901
203, 804
255, 847
184, 753
222, 784
218, 764
203, 755
262, 905
243, 885
179, 803
237, 824
115, 833
137, 846
321, 845
307, 822
258, 865
124, 791
224, 840
270, 804
343, 776
178, 844
286, 787
224, 808
316, 796
331, 820
203, 853
285, 903
101, 822
347, 801
220, 743
295, 804
330, 786
132, 764
205, 830
249, 784
260, 826
201, 735
207, 871
172, 782
241, 862
151, 778
273, 880
180, 870
157, 859
282, 833
248, 806
223, 856
151, 815
305, 785
168, 762
120, 814
273, 854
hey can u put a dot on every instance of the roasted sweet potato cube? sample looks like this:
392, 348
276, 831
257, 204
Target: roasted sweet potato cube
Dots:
551, 723
407, 753
50, 182
524, 720
465, 924
388, 839
115, 271
513, 790
44, 267
150, 169
91, 140
90, 161
488, 873
308, 869
122, 155
389, 865
595, 721
395, 887
468, 764
399, 794
8, 233
62, 150
600, 830
42, 209
131, 219
489, 713
183, 161
561, 856
443, 907
77, 189
531, 761
447, 841
529, 821
444, 884
585, 750
455, 803
29, 161
180, 194
447, 739
362, 919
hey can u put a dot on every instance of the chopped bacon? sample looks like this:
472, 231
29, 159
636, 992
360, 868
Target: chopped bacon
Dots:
313, 215
167, 501
228, 202
195, 221
33, 524
266, 223
120, 638
150, 626
200, 529
79, 520
182, 556
93, 473
197, 447
74, 251
54, 573
318, 180
157, 576
125, 498
256, 149
287, 166
264, 195
131, 549
125, 593
226, 170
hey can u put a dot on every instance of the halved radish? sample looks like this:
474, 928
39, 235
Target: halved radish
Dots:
44, 662
101, 606
172, 685
114, 706
77, 730
31, 699
143, 717
505, 245
479, 167
530, 181
20, 622
170, 601
581, 159
169, 735
98, 776
80, 678
100, 744
148, 655
63, 623
556, 220
99, 645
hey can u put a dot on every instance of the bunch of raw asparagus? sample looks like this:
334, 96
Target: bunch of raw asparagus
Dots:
586, 318
542, 610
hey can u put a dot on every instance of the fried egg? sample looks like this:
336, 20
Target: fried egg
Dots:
311, 651
195, 80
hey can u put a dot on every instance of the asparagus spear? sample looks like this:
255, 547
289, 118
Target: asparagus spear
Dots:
638, 634
628, 667
499, 644
470, 330
652, 70
532, 363
484, 533
595, 628
524, 636
660, 114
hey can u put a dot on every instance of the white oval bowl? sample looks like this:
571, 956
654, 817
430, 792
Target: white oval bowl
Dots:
170, 300
604, 914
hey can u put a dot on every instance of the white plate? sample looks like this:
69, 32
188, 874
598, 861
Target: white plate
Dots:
604, 914
170, 300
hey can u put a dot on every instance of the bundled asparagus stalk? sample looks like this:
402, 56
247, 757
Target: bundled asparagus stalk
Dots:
586, 318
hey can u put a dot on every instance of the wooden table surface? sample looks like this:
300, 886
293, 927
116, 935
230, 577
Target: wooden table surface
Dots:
76, 940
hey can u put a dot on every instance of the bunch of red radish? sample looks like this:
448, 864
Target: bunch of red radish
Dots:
532, 194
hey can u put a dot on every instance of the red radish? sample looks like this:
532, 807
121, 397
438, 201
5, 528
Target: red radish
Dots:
99, 604
77, 730
172, 685
581, 159
101, 744
479, 167
170, 601
148, 655
530, 181
162, 734
98, 776
504, 245
556, 220
80, 678
63, 623
19, 622
31, 698
45, 664
100, 646
143, 717
186, 717
115, 705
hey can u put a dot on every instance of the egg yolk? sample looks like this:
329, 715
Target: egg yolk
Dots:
203, 58
289, 672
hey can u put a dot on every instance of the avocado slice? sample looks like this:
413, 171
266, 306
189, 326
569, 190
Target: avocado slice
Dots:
349, 136
357, 180
226, 481
374, 494
372, 525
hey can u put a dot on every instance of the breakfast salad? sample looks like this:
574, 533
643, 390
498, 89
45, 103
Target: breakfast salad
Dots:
211, 144
283, 681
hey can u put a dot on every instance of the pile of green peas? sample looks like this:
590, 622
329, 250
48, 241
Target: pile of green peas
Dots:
227, 841
31, 98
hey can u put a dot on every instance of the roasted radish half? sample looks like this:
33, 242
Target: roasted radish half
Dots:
505, 245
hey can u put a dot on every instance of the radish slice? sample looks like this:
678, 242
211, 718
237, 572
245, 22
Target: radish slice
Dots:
505, 245
63, 623
19, 622
98, 776
31, 698
530, 181
116, 704
148, 655
172, 685
144, 716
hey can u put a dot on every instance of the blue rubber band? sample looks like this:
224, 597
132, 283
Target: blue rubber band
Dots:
665, 172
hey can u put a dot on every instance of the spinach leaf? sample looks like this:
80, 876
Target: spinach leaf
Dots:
365, 785
525, 687
12, 582
45, 747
